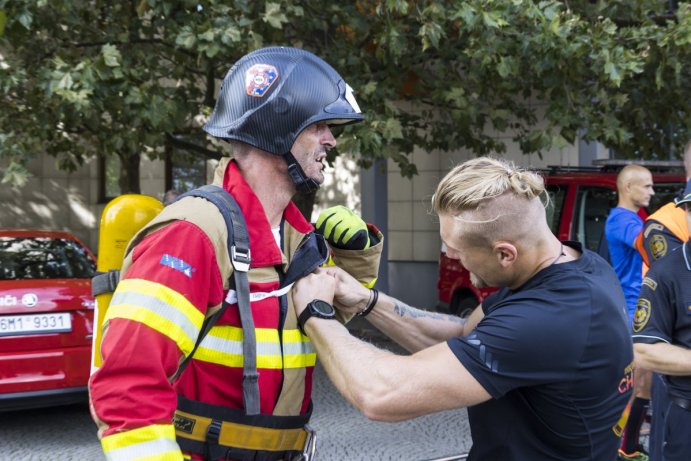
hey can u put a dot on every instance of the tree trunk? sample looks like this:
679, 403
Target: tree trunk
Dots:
129, 175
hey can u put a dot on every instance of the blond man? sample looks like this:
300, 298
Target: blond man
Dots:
528, 363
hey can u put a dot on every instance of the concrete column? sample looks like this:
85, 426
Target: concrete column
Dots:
374, 201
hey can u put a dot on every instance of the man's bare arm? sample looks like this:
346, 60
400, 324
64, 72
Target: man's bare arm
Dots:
663, 358
412, 328
389, 387
416, 329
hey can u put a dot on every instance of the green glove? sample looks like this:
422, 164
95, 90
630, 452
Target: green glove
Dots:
343, 229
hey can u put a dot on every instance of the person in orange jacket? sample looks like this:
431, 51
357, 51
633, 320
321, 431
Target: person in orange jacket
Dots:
663, 232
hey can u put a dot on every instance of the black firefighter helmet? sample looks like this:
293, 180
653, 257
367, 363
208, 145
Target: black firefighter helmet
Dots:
271, 94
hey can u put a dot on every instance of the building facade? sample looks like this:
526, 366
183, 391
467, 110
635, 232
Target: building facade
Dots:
400, 207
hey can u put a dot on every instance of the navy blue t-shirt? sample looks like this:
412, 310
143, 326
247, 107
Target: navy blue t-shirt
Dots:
557, 358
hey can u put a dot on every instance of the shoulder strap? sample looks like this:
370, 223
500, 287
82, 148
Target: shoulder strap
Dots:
240, 258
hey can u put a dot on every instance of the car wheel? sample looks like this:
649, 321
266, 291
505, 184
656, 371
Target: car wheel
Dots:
463, 303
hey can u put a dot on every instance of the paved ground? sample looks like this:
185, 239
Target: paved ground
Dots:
67, 433
344, 434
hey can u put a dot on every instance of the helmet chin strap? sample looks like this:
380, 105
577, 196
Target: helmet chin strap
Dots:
298, 176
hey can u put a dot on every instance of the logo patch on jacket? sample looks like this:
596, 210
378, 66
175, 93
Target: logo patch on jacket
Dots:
259, 78
177, 264
183, 424
642, 316
658, 246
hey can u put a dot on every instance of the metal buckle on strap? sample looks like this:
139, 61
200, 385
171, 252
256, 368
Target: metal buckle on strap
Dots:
310, 445
240, 258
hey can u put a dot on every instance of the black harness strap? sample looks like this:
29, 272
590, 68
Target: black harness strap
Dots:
219, 415
239, 252
240, 258
104, 282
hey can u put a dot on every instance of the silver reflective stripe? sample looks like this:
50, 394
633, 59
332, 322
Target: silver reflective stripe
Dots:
158, 307
298, 348
148, 450
230, 346
232, 296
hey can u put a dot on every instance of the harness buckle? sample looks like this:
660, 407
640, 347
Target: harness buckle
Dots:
240, 258
310, 444
213, 432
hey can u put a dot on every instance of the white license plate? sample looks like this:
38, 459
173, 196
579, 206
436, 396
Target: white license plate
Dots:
35, 324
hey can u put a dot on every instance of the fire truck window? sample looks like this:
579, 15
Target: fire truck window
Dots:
590, 213
555, 206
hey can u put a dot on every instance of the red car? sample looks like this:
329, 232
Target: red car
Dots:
46, 318
580, 202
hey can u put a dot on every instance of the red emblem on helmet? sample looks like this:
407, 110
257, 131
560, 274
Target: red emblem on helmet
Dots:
259, 78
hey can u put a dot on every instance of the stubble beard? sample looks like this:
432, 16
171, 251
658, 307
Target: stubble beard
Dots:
477, 281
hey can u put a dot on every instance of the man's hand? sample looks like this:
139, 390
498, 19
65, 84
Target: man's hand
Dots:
350, 295
343, 229
318, 285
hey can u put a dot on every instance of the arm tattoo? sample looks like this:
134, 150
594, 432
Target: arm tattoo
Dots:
403, 310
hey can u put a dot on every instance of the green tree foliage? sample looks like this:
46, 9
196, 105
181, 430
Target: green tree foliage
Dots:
86, 77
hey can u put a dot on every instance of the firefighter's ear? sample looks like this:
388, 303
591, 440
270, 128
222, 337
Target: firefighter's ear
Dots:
506, 253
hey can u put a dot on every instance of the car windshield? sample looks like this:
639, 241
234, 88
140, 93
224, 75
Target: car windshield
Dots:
43, 258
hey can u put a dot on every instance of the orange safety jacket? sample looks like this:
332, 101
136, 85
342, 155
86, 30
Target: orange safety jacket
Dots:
176, 274
663, 230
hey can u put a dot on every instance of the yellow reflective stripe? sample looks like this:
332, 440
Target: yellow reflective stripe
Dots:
223, 346
330, 262
155, 442
370, 284
297, 350
159, 307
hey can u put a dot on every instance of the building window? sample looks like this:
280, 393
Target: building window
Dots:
185, 170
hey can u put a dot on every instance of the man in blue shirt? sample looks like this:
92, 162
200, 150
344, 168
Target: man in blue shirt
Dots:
634, 189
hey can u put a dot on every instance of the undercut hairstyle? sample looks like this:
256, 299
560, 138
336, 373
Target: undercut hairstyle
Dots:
495, 199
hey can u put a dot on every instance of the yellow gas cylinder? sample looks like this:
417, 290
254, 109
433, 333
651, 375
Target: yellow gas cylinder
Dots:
121, 219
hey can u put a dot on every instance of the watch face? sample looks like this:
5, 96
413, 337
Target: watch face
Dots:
322, 308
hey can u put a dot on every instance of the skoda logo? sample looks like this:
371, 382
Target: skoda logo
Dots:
29, 300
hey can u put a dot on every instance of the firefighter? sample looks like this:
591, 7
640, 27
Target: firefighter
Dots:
275, 108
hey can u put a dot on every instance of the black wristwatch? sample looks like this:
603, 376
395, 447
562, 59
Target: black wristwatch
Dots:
317, 308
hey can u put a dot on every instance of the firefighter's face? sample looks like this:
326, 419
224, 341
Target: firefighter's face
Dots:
310, 149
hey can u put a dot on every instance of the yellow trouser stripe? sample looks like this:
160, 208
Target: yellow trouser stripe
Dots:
223, 346
156, 442
158, 307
